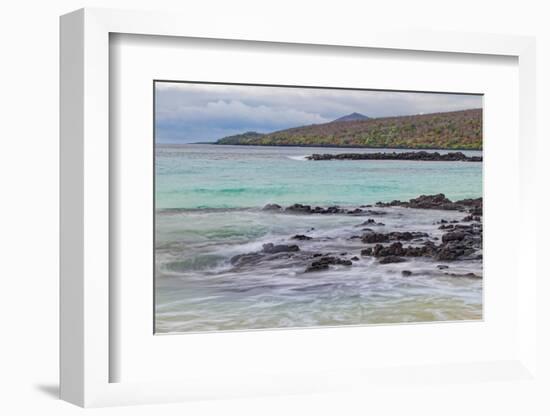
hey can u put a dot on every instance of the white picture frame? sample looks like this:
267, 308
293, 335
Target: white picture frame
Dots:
86, 304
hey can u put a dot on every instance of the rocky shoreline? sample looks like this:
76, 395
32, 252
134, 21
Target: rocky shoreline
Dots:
452, 240
418, 156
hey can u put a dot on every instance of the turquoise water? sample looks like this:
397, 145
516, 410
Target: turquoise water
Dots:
209, 200
210, 176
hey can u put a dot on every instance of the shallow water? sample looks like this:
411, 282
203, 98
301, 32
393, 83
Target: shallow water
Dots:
208, 210
210, 176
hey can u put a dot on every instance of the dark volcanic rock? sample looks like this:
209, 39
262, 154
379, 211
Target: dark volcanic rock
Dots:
406, 272
394, 249
372, 237
299, 208
477, 211
421, 156
270, 251
307, 209
468, 275
301, 237
450, 253
453, 236
463, 242
406, 236
460, 240
247, 258
271, 248
375, 213
368, 222
438, 201
324, 262
392, 259
272, 207
470, 202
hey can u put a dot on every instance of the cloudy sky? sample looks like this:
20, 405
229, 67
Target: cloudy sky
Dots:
187, 113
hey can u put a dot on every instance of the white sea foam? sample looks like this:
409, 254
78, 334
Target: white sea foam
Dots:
300, 158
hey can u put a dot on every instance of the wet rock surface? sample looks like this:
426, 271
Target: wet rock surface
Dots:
438, 201
452, 240
301, 237
271, 248
324, 262
420, 156
272, 207
392, 259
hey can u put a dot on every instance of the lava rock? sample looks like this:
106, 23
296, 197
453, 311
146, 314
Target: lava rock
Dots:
301, 237
367, 252
421, 155
372, 237
272, 207
324, 262
453, 236
271, 248
468, 275
392, 259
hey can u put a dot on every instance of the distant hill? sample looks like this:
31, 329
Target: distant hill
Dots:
241, 138
451, 130
352, 117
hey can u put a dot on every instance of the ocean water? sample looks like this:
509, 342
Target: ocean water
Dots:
210, 176
208, 209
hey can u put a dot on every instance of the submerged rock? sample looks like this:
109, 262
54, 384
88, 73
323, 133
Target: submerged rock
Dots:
271, 248
301, 237
272, 207
324, 262
247, 258
468, 275
392, 259
299, 208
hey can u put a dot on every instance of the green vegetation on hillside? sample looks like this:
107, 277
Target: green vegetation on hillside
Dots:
452, 130
241, 138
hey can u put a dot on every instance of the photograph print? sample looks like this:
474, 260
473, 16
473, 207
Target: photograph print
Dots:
295, 207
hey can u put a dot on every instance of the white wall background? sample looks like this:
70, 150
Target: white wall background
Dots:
29, 206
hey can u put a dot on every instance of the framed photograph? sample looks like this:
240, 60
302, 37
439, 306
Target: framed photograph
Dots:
284, 207
263, 213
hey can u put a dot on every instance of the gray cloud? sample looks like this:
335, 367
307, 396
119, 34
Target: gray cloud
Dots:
206, 112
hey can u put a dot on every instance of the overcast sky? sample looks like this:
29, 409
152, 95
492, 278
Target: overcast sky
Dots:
187, 113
